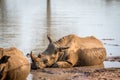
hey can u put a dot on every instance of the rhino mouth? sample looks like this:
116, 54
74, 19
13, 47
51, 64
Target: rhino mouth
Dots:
0, 75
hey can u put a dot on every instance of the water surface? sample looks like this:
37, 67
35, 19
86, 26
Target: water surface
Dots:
25, 23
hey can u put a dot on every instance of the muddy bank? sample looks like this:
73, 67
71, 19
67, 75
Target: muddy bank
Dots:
115, 58
77, 74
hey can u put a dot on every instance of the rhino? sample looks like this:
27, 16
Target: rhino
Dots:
13, 64
70, 51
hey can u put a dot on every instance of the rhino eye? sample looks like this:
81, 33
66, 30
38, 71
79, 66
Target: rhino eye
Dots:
55, 52
45, 61
37, 63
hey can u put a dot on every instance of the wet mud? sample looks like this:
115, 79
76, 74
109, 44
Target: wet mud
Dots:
78, 73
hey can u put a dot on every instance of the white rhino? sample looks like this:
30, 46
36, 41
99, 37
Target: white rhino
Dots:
13, 64
70, 51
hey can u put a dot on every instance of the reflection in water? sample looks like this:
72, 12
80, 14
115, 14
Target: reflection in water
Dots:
110, 1
48, 16
1, 12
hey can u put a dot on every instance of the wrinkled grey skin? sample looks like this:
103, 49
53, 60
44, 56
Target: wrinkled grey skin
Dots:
71, 51
49, 57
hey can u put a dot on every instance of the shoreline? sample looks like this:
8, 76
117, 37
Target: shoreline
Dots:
76, 73
113, 59
79, 73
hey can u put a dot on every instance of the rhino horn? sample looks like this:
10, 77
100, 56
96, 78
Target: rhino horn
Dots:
40, 55
33, 57
50, 40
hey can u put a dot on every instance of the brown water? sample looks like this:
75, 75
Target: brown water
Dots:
25, 23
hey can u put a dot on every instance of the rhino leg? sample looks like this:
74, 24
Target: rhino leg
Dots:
63, 64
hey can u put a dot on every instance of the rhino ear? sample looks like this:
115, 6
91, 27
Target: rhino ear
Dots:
62, 48
40, 55
4, 59
50, 40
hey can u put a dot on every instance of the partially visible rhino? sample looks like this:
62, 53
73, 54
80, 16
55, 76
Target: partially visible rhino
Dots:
13, 64
71, 51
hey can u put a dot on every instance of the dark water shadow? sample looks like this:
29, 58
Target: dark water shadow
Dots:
2, 8
48, 16
110, 2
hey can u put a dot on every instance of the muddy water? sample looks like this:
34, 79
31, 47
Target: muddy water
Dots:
25, 23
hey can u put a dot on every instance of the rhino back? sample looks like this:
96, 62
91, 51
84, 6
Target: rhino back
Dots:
79, 42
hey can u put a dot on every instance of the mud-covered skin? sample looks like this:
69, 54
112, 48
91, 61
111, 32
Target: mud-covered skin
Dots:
71, 51
3, 66
13, 64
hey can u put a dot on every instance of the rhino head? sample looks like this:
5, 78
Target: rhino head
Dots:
3, 66
48, 57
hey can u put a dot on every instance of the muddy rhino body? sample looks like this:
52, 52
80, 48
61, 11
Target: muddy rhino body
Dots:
16, 67
70, 51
